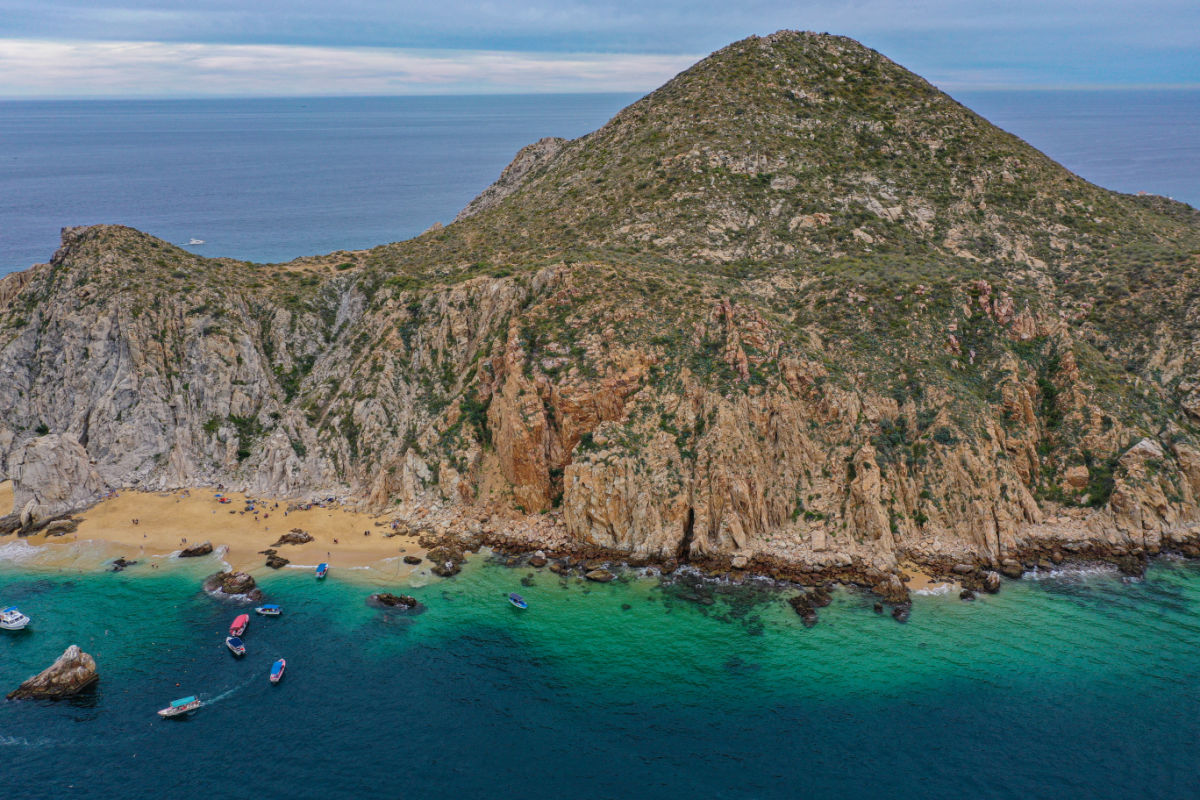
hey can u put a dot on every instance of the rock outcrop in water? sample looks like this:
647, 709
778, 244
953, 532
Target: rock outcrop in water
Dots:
796, 308
238, 585
70, 673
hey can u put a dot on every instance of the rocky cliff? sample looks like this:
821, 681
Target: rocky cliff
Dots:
796, 306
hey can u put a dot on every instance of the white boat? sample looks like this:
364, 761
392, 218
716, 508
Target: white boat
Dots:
12, 620
196, 241
180, 707
269, 610
235, 645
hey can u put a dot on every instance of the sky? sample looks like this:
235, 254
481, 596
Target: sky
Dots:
190, 48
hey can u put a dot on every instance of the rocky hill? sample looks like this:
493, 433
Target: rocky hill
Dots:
795, 307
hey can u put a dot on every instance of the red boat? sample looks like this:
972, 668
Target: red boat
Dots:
239, 625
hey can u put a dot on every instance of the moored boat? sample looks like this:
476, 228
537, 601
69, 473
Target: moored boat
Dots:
239, 625
277, 670
269, 610
235, 645
517, 600
181, 707
12, 620
322, 568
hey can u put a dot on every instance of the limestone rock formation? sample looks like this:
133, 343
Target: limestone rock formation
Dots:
71, 672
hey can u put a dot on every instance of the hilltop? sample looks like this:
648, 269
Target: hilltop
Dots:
796, 309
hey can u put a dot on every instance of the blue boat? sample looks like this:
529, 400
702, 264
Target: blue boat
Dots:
277, 670
322, 568
235, 645
518, 601
269, 610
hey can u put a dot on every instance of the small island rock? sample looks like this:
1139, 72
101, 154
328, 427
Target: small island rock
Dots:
600, 575
70, 673
233, 584
294, 536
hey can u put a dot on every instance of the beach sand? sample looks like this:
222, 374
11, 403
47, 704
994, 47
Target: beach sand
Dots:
170, 521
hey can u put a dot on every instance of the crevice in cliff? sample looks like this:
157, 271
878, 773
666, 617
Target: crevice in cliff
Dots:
685, 545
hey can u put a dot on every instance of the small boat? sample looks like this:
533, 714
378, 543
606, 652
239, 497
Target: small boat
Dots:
235, 645
269, 610
518, 601
239, 625
322, 568
181, 707
277, 670
195, 241
12, 620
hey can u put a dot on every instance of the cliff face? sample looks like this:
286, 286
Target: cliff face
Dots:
797, 304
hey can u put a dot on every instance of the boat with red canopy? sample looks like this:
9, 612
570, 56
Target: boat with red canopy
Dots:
239, 625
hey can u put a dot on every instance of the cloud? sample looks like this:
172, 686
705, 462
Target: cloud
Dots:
41, 68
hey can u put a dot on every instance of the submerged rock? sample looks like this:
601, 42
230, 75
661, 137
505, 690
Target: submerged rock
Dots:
802, 605
71, 672
966, 594
402, 602
121, 563
538, 559
991, 582
202, 549
901, 612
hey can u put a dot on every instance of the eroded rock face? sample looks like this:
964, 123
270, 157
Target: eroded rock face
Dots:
51, 477
446, 561
71, 672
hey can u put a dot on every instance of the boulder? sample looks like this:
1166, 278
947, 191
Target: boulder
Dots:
991, 582
739, 562
600, 575
559, 568
233, 584
414, 560
70, 673
966, 594
202, 549
1011, 568
538, 559
61, 526
121, 563
447, 561
275, 561
1132, 566
963, 569
901, 612
294, 536
891, 589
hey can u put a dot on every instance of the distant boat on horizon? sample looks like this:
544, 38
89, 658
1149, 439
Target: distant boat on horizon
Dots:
195, 241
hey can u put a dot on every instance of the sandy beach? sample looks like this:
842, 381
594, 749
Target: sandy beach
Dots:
166, 522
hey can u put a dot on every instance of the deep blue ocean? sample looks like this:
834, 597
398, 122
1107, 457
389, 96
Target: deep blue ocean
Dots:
270, 180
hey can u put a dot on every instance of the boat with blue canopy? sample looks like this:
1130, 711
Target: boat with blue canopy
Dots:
269, 610
277, 670
180, 707
517, 600
322, 568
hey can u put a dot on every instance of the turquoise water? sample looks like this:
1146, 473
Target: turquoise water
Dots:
1075, 685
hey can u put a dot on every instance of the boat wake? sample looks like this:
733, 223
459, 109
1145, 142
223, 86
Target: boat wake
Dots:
228, 692
21, 741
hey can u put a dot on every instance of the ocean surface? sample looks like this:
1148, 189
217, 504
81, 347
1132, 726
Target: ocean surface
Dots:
1072, 685
270, 180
